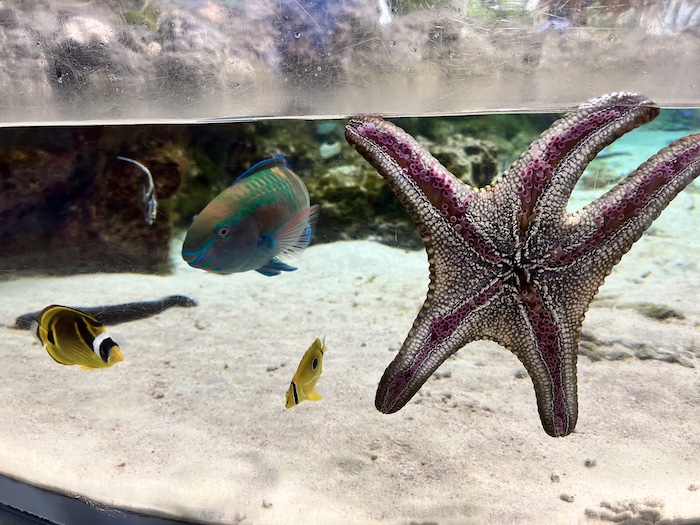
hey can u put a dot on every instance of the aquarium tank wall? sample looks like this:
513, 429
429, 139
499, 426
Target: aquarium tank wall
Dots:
360, 261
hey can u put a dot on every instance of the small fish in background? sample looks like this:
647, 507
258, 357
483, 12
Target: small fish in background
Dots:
149, 192
72, 337
308, 372
263, 216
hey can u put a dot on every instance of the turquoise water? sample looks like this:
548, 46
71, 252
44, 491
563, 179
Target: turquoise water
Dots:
191, 424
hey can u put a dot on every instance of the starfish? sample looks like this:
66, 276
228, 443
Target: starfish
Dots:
507, 262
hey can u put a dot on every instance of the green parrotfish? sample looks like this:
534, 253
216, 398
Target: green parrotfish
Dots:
262, 218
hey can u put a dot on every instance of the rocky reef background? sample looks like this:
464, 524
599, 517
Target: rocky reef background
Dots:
68, 205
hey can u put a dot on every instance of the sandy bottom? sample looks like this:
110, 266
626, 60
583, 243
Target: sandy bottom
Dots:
192, 422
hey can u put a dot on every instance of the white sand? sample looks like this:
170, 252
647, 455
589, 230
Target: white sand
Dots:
192, 422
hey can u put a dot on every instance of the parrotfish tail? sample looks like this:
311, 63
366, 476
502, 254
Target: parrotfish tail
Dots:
287, 239
311, 219
117, 313
305, 238
274, 267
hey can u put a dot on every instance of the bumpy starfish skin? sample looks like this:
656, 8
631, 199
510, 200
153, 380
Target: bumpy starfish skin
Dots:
508, 262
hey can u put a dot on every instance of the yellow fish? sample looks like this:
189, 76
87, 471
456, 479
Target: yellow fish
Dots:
72, 337
308, 372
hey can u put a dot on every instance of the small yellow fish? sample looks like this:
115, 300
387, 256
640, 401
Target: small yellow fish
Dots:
308, 372
72, 337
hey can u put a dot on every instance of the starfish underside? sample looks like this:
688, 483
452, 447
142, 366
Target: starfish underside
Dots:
508, 262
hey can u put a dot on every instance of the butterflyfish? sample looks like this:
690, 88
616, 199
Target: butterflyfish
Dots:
116, 313
72, 337
308, 372
263, 218
149, 191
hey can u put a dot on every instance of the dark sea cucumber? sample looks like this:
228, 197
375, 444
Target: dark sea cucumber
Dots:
117, 313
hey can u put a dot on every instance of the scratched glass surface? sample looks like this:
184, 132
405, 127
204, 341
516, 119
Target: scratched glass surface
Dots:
192, 423
156, 60
121, 121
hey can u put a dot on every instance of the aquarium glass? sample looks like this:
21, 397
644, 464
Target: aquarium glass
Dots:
222, 389
148, 60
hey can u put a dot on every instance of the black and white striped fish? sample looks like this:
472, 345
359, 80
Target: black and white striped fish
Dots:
72, 337
149, 192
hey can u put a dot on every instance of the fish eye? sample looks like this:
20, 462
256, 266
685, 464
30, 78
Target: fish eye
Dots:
314, 363
222, 230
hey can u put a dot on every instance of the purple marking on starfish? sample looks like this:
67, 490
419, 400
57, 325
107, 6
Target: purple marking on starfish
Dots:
507, 262
644, 185
541, 169
446, 193
547, 345
441, 328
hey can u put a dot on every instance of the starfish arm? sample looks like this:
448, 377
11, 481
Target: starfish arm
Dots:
411, 171
530, 325
545, 174
438, 332
436, 200
534, 326
608, 227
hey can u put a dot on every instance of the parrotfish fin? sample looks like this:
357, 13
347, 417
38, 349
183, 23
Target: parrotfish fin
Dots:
313, 396
275, 267
274, 162
287, 239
